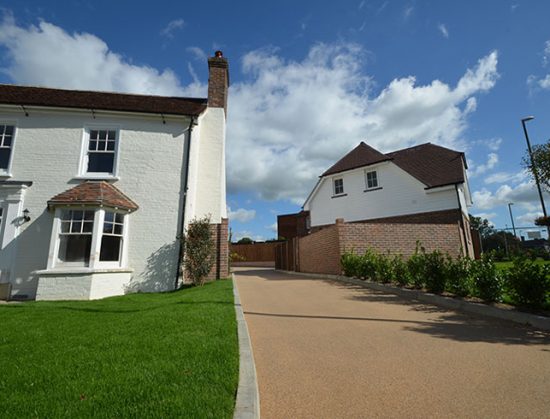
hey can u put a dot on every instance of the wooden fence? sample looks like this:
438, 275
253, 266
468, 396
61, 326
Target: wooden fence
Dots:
255, 252
286, 255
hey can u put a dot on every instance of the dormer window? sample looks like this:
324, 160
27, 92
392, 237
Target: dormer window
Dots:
371, 179
338, 186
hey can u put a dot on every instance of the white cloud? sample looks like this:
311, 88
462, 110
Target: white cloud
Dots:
289, 120
361, 4
527, 219
502, 177
242, 215
546, 54
47, 55
476, 170
198, 53
273, 227
168, 30
486, 216
525, 195
443, 29
533, 82
407, 12
294, 119
545, 82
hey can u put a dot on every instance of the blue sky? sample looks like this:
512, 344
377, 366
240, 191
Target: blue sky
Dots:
310, 80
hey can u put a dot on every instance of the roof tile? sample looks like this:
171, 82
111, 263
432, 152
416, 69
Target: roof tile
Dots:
41, 96
98, 193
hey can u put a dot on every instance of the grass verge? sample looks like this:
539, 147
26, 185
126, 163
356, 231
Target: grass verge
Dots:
140, 355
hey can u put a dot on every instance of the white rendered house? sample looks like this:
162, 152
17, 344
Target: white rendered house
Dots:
96, 188
425, 184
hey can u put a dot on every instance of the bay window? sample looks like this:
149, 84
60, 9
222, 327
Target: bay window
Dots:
88, 238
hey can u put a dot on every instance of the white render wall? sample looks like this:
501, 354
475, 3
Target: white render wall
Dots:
207, 174
401, 194
150, 170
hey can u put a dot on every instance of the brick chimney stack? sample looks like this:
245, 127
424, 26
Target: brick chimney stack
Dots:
218, 81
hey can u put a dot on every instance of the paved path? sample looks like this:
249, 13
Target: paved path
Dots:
325, 349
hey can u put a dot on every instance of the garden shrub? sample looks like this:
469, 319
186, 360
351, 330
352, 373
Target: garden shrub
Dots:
459, 280
528, 283
351, 264
199, 250
416, 268
400, 273
368, 265
434, 272
382, 268
486, 279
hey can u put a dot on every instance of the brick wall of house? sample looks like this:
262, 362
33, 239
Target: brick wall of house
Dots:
319, 252
400, 238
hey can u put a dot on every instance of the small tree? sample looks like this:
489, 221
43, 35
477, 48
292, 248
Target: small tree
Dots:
541, 161
198, 250
245, 240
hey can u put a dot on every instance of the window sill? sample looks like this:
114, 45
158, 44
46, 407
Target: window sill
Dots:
76, 270
4, 175
340, 195
91, 176
373, 189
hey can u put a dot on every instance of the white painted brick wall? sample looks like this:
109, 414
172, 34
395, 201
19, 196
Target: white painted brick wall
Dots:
401, 194
47, 152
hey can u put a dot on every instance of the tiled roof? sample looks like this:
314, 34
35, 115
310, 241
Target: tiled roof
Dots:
362, 155
97, 193
41, 96
431, 164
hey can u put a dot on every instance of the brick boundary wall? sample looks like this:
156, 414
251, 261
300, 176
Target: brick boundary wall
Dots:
220, 235
320, 252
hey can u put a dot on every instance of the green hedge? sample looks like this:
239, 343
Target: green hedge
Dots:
524, 283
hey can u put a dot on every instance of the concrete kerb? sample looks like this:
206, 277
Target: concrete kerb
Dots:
539, 322
247, 405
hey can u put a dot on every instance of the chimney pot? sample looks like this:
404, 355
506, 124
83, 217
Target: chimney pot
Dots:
218, 54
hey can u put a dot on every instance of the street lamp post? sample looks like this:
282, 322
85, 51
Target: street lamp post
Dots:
534, 169
511, 217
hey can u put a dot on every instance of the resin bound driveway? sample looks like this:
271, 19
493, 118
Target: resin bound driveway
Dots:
325, 349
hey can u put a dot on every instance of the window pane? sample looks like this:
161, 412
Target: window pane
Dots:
112, 135
108, 228
9, 130
66, 215
88, 227
119, 218
102, 135
110, 248
92, 146
4, 158
111, 145
7, 141
93, 134
101, 145
76, 227
65, 226
109, 217
89, 215
78, 215
118, 229
101, 162
75, 248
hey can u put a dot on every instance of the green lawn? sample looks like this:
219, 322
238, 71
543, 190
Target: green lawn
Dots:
141, 355
505, 265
